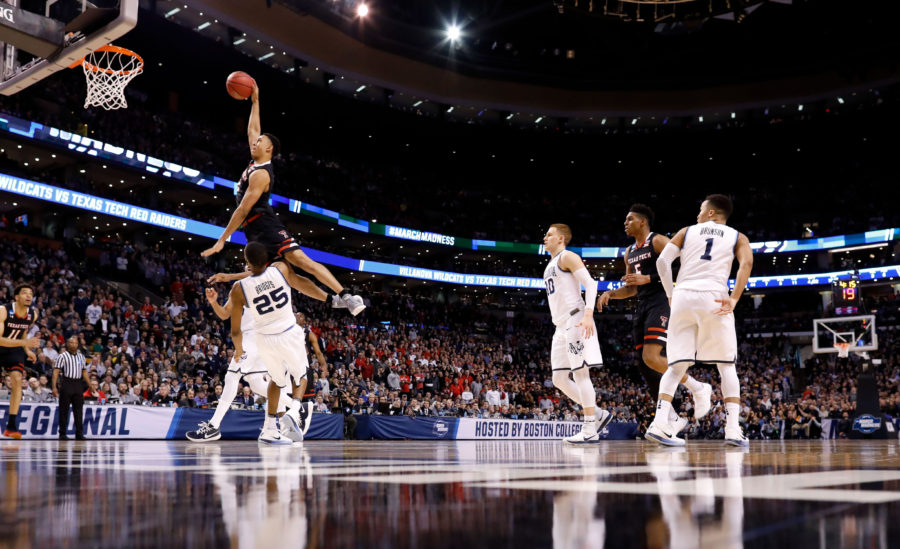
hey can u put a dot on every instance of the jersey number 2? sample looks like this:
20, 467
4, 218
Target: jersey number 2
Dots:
709, 244
264, 302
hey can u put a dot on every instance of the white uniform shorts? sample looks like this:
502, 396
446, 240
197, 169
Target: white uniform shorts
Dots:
697, 333
252, 364
570, 351
284, 355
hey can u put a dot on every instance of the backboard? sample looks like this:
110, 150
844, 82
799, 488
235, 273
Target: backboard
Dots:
37, 45
858, 331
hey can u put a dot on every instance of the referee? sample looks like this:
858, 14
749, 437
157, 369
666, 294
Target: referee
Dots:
71, 390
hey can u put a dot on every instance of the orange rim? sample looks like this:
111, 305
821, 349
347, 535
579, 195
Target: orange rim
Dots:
112, 49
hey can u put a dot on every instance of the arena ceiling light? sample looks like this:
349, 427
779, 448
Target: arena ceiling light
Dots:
454, 32
362, 9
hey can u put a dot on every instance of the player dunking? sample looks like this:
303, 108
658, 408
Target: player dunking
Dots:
16, 320
702, 324
267, 294
652, 314
575, 346
258, 220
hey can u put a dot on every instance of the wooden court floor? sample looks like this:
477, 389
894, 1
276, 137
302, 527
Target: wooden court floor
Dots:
497, 494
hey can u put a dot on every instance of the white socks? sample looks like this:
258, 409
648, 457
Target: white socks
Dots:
732, 416
663, 411
271, 422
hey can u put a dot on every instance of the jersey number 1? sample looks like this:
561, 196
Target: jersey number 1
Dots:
264, 303
709, 244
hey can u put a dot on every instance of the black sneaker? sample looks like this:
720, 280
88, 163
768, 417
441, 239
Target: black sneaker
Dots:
205, 433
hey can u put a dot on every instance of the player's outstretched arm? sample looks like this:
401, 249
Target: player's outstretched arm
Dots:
253, 127
212, 296
227, 277
572, 263
236, 297
300, 283
744, 256
664, 262
259, 182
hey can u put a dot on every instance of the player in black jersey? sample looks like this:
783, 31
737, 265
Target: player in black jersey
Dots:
16, 320
255, 215
652, 313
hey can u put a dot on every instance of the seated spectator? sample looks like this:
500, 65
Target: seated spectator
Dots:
35, 393
94, 394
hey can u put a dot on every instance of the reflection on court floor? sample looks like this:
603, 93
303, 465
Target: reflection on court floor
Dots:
450, 494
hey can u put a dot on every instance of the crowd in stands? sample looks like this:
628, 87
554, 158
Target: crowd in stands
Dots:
409, 354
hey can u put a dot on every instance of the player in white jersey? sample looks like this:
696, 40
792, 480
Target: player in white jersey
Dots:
701, 328
251, 368
267, 295
575, 346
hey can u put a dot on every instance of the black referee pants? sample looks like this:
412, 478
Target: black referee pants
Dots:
71, 393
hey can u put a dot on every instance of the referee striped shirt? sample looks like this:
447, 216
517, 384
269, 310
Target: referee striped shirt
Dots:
71, 365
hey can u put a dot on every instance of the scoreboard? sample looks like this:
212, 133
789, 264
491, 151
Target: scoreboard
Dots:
845, 296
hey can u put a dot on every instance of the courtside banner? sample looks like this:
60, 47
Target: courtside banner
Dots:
512, 429
451, 428
402, 427
246, 424
112, 421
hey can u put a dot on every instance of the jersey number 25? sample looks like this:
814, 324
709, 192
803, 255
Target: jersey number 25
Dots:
264, 302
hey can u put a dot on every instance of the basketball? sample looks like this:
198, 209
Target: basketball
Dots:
239, 85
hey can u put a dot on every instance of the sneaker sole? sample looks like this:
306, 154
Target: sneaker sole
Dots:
357, 310
662, 440
284, 442
209, 439
739, 443
582, 442
12, 435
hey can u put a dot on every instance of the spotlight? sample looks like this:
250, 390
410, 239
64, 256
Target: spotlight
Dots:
362, 9
453, 33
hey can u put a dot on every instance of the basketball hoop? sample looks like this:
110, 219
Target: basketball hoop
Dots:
108, 70
843, 348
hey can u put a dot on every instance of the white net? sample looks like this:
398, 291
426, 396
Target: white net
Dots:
843, 349
107, 71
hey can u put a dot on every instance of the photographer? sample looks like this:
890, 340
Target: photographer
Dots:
346, 403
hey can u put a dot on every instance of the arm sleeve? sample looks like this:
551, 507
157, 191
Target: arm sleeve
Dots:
590, 287
664, 266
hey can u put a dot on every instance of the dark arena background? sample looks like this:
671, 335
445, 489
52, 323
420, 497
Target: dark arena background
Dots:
424, 151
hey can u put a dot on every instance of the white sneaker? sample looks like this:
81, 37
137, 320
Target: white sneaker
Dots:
289, 428
587, 435
603, 419
305, 416
679, 424
702, 401
665, 435
355, 304
736, 438
272, 436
